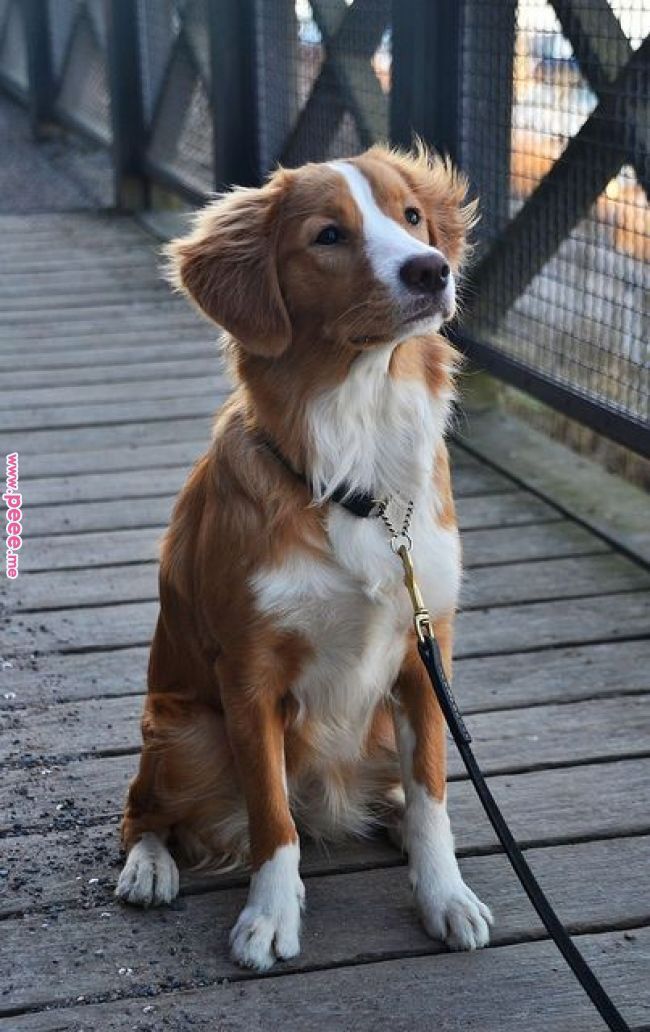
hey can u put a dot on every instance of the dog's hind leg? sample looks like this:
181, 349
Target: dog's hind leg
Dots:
150, 875
184, 772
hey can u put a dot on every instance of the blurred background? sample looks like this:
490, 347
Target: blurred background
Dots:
154, 104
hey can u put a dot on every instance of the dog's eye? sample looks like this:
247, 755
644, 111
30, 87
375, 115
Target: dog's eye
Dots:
413, 216
328, 236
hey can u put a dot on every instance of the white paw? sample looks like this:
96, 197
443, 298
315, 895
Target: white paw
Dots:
150, 875
456, 915
268, 928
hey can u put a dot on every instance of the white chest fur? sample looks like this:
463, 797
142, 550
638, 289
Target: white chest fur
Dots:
375, 434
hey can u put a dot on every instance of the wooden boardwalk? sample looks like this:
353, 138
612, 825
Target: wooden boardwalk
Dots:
108, 388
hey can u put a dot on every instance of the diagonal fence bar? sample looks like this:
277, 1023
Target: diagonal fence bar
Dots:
565, 195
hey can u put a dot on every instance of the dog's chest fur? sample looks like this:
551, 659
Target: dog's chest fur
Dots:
376, 434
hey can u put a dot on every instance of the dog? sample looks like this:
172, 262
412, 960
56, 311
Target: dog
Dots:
285, 689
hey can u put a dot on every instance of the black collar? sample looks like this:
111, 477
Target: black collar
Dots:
356, 502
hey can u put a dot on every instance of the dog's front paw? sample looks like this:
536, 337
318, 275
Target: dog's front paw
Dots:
268, 928
259, 937
456, 915
149, 877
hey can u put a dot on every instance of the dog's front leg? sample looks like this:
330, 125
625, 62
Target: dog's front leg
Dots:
268, 927
449, 909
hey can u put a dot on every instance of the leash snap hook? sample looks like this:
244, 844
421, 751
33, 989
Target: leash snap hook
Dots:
421, 618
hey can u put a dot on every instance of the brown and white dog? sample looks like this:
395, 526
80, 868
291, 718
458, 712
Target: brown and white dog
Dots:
283, 668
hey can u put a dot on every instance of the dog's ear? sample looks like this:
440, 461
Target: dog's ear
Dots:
227, 265
442, 192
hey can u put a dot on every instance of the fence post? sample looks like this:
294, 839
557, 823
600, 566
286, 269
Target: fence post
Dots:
39, 64
425, 89
489, 42
277, 78
233, 92
125, 84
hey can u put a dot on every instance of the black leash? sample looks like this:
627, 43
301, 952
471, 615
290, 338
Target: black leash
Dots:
362, 505
430, 654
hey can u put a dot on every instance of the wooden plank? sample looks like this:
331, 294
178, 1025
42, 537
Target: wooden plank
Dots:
88, 550
119, 460
98, 323
72, 292
100, 627
478, 480
486, 586
152, 454
129, 277
154, 387
111, 515
54, 880
115, 347
76, 253
174, 453
179, 368
78, 303
549, 624
187, 945
69, 226
59, 258
568, 804
55, 248
554, 578
29, 325
511, 509
89, 438
492, 682
74, 588
115, 351
106, 413
487, 511
166, 477
504, 629
481, 547
56, 678
544, 541
507, 741
41, 270
499, 990
582, 487
553, 623
95, 487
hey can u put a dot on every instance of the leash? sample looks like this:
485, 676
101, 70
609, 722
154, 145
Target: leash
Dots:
362, 505
430, 655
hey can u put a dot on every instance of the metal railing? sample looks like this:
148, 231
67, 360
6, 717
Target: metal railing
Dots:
545, 103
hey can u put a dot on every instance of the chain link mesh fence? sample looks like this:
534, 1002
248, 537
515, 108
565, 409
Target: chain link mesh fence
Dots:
78, 34
555, 135
13, 49
175, 68
324, 75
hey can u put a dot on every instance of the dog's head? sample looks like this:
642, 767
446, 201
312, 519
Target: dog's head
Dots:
355, 253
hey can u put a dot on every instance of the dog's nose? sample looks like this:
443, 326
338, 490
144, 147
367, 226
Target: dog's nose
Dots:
426, 273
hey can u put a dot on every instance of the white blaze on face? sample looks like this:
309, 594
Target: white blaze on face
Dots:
388, 245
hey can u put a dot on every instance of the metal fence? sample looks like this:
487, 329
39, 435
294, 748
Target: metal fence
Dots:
545, 103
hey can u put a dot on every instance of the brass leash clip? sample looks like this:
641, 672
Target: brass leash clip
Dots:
421, 618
